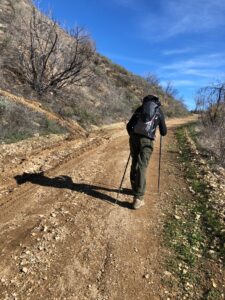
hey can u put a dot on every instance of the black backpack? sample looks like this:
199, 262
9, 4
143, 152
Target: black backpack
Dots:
146, 121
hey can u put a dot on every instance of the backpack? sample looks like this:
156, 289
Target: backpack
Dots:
146, 121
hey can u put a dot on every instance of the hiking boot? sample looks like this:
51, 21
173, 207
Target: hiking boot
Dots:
138, 203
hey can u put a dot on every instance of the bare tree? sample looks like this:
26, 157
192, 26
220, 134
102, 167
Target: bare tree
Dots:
170, 90
49, 58
210, 102
152, 79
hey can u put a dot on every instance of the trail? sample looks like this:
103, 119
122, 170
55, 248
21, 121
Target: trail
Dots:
62, 237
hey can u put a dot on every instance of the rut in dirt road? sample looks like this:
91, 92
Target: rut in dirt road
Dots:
62, 237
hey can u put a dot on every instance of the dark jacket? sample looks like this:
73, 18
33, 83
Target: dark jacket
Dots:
160, 121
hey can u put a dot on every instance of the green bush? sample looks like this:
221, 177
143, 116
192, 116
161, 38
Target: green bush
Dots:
52, 126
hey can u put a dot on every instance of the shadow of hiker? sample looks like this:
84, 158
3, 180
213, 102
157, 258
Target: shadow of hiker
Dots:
65, 182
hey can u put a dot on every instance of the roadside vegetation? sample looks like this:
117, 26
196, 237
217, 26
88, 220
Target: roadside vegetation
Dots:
195, 230
18, 122
210, 104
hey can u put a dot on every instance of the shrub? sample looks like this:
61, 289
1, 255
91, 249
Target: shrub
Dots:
19, 122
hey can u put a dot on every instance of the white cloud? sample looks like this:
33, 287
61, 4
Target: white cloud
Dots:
177, 51
206, 73
195, 72
180, 17
193, 65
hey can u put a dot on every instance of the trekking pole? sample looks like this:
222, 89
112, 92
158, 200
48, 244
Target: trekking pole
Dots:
122, 179
160, 155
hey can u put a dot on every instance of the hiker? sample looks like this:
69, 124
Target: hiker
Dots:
141, 129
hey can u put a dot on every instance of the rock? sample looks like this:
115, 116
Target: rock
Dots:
191, 190
45, 228
213, 283
146, 276
197, 217
213, 185
24, 270
56, 237
188, 285
167, 273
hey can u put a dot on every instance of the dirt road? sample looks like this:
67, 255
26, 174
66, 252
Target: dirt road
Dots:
62, 237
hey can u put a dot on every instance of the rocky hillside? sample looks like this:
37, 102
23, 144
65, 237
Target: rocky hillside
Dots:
109, 97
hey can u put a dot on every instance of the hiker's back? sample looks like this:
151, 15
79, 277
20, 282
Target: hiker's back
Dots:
147, 120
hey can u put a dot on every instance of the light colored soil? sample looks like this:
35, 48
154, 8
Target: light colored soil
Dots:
62, 237
36, 106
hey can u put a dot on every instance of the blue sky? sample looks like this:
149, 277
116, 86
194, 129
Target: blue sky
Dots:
181, 41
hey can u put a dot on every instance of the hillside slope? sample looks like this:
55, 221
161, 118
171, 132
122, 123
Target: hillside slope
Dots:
110, 97
26, 117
